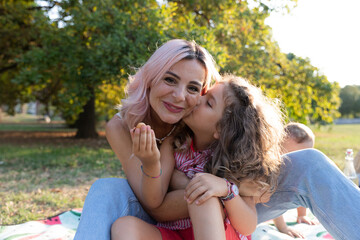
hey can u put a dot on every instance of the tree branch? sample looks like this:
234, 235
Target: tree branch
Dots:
4, 69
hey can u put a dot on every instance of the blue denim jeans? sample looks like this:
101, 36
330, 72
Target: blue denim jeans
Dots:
107, 200
308, 178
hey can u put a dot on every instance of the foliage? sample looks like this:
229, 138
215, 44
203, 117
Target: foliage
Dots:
350, 101
90, 43
19, 30
107, 98
80, 59
242, 44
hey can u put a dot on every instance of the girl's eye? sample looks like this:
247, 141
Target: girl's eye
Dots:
170, 80
208, 103
194, 89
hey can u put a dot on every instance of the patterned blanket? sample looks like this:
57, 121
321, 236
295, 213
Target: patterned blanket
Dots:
64, 225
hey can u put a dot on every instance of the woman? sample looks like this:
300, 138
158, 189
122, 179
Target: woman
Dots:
163, 91
160, 94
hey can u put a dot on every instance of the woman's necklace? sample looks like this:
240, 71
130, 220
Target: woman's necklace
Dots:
162, 139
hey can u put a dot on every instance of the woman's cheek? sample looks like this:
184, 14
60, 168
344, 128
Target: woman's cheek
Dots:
194, 102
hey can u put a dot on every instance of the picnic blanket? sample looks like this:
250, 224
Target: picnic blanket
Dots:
63, 227
60, 227
267, 230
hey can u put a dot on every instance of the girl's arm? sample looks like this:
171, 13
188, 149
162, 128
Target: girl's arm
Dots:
242, 214
119, 138
241, 210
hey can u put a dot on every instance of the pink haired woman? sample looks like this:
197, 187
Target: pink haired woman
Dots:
164, 90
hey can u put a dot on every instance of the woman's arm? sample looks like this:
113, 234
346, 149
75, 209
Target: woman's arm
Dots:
119, 138
118, 135
157, 169
178, 181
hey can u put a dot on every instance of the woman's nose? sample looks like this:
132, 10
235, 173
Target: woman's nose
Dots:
179, 94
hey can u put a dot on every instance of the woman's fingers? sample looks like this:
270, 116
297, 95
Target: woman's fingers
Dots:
143, 137
136, 139
153, 141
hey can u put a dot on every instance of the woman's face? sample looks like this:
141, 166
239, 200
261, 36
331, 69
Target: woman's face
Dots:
178, 91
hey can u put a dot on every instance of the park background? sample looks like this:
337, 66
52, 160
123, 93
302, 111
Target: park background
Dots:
70, 61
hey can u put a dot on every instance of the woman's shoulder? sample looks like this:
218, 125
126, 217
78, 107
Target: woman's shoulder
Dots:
116, 125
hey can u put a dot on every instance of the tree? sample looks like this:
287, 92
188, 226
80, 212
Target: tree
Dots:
350, 101
19, 21
91, 42
242, 44
92, 46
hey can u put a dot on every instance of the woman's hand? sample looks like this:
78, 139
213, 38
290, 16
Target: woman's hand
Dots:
144, 145
204, 186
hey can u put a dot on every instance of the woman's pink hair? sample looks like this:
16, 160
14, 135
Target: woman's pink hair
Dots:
136, 105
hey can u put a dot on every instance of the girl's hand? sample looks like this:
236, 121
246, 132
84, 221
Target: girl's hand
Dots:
305, 219
144, 145
292, 232
204, 186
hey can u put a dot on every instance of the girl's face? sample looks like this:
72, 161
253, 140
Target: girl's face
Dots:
204, 118
178, 91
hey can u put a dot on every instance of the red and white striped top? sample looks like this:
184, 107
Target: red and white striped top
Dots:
189, 162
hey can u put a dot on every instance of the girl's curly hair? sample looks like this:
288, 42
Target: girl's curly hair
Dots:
251, 131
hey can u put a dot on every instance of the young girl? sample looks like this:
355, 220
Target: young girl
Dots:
235, 135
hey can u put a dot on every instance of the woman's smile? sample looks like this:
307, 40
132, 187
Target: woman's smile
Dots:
172, 108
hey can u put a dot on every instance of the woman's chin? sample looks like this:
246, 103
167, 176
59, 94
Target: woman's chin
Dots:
171, 119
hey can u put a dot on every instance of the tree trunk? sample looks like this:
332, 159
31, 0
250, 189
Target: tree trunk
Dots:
86, 123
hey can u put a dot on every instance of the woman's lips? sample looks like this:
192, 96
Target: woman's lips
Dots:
172, 108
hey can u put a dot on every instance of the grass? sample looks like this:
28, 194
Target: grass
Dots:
334, 140
42, 179
39, 181
43, 171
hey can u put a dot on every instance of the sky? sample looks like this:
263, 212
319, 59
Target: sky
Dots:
325, 31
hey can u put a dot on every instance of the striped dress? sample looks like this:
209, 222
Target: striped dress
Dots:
190, 162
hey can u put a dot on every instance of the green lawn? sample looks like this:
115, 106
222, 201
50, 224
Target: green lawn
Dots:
39, 180
334, 140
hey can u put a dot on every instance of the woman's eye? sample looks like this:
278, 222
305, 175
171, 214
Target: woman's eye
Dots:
170, 80
194, 89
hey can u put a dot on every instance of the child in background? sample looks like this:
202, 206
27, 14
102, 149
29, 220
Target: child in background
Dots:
298, 136
234, 133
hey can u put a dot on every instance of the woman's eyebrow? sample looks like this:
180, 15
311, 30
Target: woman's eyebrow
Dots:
197, 83
173, 74
192, 82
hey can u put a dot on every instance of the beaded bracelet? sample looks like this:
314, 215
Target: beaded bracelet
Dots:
149, 175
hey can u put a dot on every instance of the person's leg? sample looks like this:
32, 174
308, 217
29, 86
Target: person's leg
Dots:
309, 179
208, 219
133, 228
107, 200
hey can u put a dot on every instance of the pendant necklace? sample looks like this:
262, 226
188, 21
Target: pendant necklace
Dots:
162, 139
